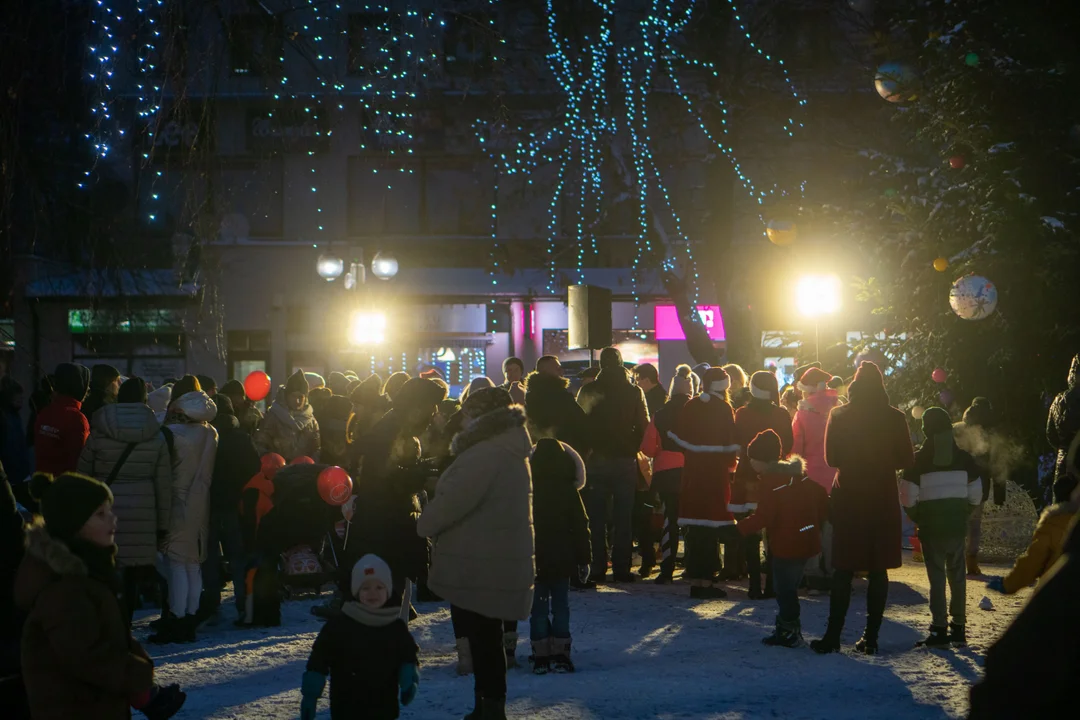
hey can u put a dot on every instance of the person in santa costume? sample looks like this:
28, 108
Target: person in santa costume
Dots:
761, 413
705, 431
808, 429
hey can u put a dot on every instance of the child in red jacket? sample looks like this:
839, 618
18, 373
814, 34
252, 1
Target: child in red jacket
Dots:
791, 509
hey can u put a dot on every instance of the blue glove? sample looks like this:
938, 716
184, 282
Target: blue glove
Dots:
311, 688
996, 583
583, 573
409, 682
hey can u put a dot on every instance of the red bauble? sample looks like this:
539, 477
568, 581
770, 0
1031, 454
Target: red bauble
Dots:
335, 486
302, 460
257, 385
956, 162
270, 463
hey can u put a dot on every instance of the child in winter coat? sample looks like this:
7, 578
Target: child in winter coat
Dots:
290, 428
939, 493
563, 550
78, 657
792, 509
1046, 547
366, 650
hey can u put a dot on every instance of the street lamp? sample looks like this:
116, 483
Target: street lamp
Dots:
815, 296
384, 265
329, 267
367, 328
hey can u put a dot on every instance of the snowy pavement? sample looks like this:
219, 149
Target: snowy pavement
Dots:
642, 651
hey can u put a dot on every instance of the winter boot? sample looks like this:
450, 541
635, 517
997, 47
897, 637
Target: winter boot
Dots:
754, 591
478, 708
938, 637
186, 629
510, 648
916, 550
830, 641
973, 564
560, 655
664, 579
868, 643
646, 570
165, 702
957, 635
464, 657
492, 708
788, 634
541, 656
171, 629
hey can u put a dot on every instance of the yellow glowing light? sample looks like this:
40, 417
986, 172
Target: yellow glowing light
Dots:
367, 328
817, 295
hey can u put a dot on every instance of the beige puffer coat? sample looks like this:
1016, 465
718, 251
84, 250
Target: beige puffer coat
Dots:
194, 451
142, 490
481, 520
289, 433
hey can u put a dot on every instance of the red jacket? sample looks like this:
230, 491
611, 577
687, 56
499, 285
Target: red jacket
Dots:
705, 431
750, 420
652, 446
60, 431
792, 511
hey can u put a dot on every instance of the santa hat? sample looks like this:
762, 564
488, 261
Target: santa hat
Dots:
432, 374
715, 381
371, 567
763, 386
765, 447
681, 382
814, 380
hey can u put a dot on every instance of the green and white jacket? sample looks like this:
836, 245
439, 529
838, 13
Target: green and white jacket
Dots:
939, 499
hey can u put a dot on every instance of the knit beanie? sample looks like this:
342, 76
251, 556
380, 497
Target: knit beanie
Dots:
233, 388
338, 383
715, 380
314, 380
763, 386
67, 501
298, 383
937, 426
486, 400
207, 383
132, 390
419, 393
102, 375
700, 369
681, 382
370, 567
765, 447
183, 386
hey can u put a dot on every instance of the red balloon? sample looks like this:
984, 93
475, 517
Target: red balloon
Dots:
257, 385
956, 162
270, 463
335, 486
939, 375
302, 460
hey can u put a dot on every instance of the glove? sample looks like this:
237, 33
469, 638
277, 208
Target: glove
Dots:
409, 682
996, 583
164, 702
311, 688
583, 573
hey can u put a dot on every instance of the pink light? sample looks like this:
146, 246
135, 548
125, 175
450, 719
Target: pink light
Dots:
669, 328
532, 321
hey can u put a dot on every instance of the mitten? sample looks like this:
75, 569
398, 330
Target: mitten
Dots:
409, 682
996, 583
164, 702
583, 572
311, 688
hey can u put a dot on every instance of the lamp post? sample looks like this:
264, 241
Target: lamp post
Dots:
366, 327
816, 296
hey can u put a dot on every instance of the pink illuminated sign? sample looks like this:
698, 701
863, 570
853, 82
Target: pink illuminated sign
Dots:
668, 327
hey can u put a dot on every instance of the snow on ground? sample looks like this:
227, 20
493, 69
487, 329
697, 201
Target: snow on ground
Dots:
641, 650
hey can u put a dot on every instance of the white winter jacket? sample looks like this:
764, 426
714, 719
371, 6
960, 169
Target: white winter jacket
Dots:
194, 450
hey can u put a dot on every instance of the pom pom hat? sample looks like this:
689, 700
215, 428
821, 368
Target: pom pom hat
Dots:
681, 382
765, 447
370, 567
68, 501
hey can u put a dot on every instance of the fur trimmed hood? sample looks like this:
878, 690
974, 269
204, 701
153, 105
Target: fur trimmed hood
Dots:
45, 559
545, 383
488, 426
1071, 507
794, 466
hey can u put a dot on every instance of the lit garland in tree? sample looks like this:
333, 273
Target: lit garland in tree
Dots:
646, 57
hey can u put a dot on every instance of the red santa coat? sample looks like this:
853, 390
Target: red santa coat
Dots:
750, 420
705, 430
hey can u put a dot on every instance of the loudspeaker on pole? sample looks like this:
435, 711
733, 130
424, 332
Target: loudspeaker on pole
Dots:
589, 313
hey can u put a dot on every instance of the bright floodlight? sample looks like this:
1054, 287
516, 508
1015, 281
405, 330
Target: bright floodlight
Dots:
367, 328
329, 267
384, 265
817, 295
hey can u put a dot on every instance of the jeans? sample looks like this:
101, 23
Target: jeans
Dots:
557, 596
614, 478
485, 637
945, 563
787, 574
225, 531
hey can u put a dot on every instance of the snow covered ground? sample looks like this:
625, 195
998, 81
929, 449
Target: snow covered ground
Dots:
642, 651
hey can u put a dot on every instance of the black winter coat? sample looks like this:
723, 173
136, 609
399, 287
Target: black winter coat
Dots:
12, 548
616, 412
560, 524
299, 516
655, 399
550, 411
1062, 425
363, 662
236, 462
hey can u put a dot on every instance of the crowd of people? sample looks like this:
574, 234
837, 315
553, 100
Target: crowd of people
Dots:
499, 502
